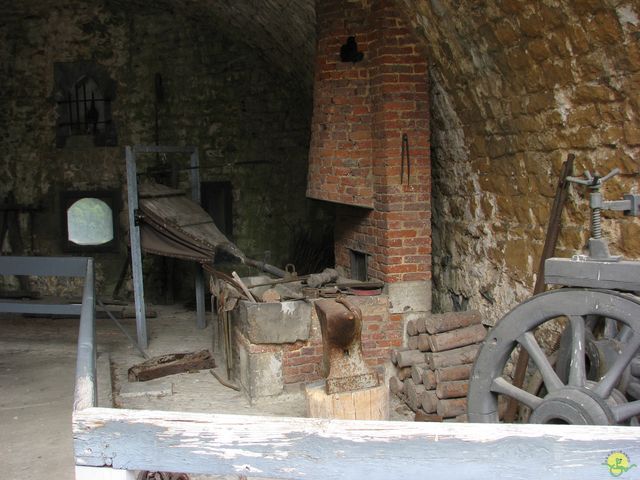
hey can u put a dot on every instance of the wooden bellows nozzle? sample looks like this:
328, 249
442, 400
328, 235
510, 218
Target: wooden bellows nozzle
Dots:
435, 367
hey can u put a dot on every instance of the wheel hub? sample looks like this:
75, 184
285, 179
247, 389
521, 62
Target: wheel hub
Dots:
573, 406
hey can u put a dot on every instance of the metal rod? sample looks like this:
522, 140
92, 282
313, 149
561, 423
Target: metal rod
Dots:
119, 325
86, 390
266, 267
162, 149
84, 104
77, 101
70, 111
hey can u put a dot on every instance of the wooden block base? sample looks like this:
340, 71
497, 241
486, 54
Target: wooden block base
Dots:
367, 404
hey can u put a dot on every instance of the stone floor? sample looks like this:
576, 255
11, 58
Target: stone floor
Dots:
37, 372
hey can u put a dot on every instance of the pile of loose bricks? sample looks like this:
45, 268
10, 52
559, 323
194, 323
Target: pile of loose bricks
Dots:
434, 370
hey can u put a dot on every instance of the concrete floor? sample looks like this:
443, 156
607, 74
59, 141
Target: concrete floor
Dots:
37, 374
35, 412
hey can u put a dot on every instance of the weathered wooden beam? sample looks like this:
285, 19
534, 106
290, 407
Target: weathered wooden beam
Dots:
171, 364
96, 473
317, 449
136, 249
43, 266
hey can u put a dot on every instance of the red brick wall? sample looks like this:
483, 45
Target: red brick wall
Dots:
381, 332
340, 157
361, 112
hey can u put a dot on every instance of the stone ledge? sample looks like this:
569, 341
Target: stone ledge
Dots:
407, 297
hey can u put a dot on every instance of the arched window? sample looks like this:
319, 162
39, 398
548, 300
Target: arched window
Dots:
89, 220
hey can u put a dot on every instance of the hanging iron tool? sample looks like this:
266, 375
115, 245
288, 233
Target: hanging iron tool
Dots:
405, 154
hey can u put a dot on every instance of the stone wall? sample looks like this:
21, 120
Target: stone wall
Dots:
517, 86
249, 120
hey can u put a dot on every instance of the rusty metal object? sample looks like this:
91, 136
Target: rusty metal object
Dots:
162, 476
343, 364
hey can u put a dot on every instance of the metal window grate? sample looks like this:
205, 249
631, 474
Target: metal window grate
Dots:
84, 110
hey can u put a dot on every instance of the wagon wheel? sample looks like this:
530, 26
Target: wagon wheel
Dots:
582, 393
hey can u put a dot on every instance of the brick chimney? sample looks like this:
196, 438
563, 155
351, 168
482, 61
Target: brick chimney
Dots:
361, 111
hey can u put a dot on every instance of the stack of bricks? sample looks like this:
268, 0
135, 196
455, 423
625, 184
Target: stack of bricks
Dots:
434, 370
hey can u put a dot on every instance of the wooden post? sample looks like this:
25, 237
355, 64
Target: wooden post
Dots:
366, 404
136, 249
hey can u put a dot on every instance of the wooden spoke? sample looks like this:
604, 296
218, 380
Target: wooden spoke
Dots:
500, 385
551, 379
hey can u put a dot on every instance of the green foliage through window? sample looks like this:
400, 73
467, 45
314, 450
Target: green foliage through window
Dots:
90, 222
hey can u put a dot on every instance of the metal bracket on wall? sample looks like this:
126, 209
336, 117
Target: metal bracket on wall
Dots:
131, 153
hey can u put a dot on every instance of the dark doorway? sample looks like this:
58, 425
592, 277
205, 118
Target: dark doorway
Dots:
217, 200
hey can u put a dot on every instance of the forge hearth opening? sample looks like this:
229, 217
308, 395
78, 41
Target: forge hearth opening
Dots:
359, 262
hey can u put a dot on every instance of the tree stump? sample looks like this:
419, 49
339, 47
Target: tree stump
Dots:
366, 404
